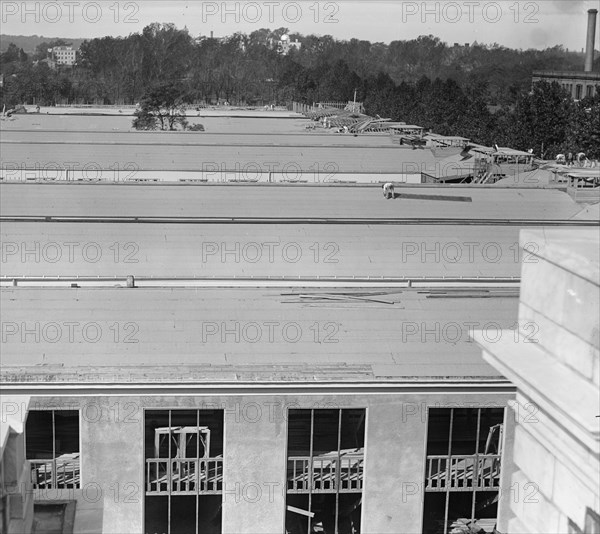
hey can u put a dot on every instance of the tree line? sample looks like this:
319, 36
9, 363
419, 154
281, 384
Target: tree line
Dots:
482, 92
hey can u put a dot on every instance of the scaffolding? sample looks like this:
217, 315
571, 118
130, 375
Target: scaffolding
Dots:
173, 470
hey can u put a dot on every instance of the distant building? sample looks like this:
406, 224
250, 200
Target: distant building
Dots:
284, 45
62, 55
579, 84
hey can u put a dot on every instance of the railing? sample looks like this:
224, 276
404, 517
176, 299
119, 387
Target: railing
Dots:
55, 474
326, 475
300, 107
184, 476
338, 105
463, 472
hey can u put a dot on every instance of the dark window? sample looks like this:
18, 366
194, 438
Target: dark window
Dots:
52, 447
325, 471
462, 478
184, 471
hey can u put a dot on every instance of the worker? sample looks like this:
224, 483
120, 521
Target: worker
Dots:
581, 158
388, 190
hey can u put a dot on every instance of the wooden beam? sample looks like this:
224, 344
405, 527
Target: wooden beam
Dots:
300, 511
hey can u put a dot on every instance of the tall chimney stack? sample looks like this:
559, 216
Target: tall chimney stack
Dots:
591, 38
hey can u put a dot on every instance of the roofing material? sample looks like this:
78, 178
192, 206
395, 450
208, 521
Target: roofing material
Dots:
411, 335
36, 249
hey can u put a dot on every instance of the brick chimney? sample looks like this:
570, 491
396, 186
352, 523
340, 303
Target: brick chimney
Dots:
591, 38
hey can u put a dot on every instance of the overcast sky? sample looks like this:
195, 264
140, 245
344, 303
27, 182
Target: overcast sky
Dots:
517, 24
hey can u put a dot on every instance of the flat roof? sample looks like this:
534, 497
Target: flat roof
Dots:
198, 140
590, 213
309, 155
279, 200
393, 334
36, 249
271, 122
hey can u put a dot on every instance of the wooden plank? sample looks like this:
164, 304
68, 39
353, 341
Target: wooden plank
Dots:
300, 511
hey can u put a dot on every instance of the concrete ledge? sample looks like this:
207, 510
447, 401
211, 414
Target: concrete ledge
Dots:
554, 387
577, 252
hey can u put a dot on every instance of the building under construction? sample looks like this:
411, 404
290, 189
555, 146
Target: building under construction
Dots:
331, 385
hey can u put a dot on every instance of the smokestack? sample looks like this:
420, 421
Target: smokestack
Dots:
591, 38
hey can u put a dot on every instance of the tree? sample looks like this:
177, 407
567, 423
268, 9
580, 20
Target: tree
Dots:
541, 119
166, 53
13, 54
163, 106
584, 128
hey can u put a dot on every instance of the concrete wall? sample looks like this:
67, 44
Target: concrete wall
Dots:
395, 467
508, 467
555, 365
254, 471
396, 456
16, 485
255, 453
111, 497
112, 446
16, 512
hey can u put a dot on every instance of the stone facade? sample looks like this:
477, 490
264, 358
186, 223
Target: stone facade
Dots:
555, 365
16, 505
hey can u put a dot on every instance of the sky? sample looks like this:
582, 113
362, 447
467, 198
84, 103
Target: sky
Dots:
516, 24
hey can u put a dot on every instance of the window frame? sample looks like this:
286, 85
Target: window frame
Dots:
474, 489
337, 490
76, 468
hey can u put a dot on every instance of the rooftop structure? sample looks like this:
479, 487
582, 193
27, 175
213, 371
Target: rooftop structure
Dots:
445, 141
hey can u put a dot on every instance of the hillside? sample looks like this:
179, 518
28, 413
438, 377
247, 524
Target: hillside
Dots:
29, 42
